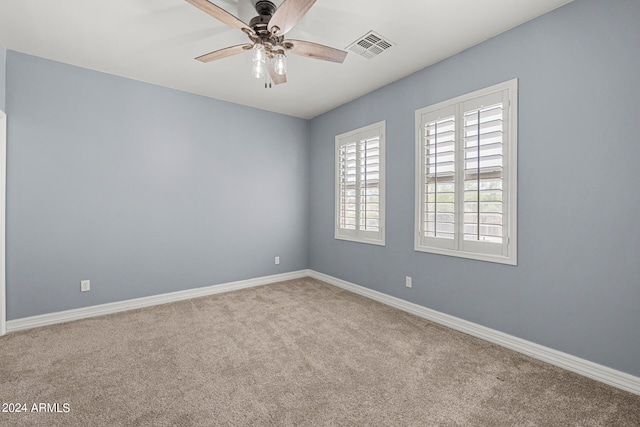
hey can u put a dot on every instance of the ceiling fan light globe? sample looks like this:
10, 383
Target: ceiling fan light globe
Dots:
258, 59
259, 53
257, 70
280, 64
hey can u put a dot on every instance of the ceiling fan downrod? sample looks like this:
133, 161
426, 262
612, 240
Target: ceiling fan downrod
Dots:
265, 7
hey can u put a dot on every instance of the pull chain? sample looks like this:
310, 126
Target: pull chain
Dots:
267, 76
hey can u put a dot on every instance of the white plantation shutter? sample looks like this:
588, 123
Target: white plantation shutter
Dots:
347, 186
466, 175
360, 185
483, 170
438, 159
369, 162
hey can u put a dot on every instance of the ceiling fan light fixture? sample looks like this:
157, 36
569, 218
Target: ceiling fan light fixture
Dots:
280, 64
267, 34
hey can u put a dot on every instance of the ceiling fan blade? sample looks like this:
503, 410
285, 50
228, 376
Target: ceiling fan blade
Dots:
275, 77
288, 14
314, 50
221, 15
224, 53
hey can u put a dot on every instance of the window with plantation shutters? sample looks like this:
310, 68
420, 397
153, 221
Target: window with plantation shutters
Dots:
466, 161
360, 185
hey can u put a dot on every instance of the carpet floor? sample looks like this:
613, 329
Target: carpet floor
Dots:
294, 353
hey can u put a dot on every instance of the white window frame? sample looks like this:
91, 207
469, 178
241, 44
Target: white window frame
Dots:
505, 252
358, 234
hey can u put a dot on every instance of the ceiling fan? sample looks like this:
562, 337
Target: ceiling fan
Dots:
266, 32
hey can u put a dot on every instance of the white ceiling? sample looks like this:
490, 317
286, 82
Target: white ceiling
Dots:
156, 41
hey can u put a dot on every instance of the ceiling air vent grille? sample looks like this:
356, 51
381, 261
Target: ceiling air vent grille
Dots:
370, 45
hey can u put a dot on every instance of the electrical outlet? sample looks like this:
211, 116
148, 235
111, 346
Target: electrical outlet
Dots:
85, 285
277, 260
407, 281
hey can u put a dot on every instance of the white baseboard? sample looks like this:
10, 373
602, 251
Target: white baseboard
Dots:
566, 361
115, 307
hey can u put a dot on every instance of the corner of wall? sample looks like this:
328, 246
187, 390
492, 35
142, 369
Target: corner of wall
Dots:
307, 214
3, 72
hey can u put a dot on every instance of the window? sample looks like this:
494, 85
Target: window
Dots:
360, 185
466, 160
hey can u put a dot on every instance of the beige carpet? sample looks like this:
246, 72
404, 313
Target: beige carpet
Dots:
296, 353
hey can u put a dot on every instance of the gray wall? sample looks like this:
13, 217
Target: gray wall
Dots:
3, 57
142, 189
577, 284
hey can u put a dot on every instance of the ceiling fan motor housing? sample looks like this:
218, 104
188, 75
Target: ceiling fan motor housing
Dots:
260, 24
265, 10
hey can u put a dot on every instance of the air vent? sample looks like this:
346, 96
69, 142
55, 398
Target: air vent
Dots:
370, 45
